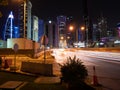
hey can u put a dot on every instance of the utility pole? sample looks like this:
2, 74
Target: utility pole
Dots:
86, 20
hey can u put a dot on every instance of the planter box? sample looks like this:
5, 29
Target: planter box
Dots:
37, 68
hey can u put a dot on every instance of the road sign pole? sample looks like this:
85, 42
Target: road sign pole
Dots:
15, 50
15, 60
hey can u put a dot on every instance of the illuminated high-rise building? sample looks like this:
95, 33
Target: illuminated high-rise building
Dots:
40, 29
35, 26
8, 30
102, 26
24, 19
96, 34
61, 23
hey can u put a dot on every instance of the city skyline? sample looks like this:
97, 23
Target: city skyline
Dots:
46, 9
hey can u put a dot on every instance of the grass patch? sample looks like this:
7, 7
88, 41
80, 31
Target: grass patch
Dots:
12, 76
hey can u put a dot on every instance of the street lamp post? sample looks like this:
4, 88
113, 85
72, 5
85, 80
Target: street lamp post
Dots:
86, 31
76, 34
44, 41
86, 37
24, 2
72, 28
82, 28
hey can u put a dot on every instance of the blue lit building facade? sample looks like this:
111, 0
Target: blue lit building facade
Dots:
21, 25
40, 29
4, 13
8, 30
61, 26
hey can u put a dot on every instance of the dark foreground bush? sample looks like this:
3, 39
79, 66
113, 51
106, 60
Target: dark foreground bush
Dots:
74, 73
73, 70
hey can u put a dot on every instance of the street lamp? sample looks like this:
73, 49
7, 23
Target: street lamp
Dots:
82, 28
61, 37
68, 37
74, 29
70, 34
86, 30
68, 41
71, 28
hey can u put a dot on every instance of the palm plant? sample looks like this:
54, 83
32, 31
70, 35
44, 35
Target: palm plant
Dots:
73, 70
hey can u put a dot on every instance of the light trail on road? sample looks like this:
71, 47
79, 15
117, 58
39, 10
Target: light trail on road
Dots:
107, 65
105, 56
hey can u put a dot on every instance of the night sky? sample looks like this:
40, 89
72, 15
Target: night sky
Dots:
50, 9
45, 9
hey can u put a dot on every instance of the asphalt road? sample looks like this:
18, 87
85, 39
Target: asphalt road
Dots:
107, 65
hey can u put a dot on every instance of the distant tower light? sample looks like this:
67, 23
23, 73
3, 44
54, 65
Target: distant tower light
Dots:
11, 24
11, 15
50, 21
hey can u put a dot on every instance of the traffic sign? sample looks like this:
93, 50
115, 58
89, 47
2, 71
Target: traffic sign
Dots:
16, 47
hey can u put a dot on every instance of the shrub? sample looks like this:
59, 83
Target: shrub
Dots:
74, 74
73, 70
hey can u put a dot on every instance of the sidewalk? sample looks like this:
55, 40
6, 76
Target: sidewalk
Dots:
47, 80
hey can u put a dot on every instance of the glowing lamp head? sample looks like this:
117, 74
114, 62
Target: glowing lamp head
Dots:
50, 22
71, 28
62, 38
82, 28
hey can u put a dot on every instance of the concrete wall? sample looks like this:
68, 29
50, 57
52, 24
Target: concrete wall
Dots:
37, 68
22, 43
